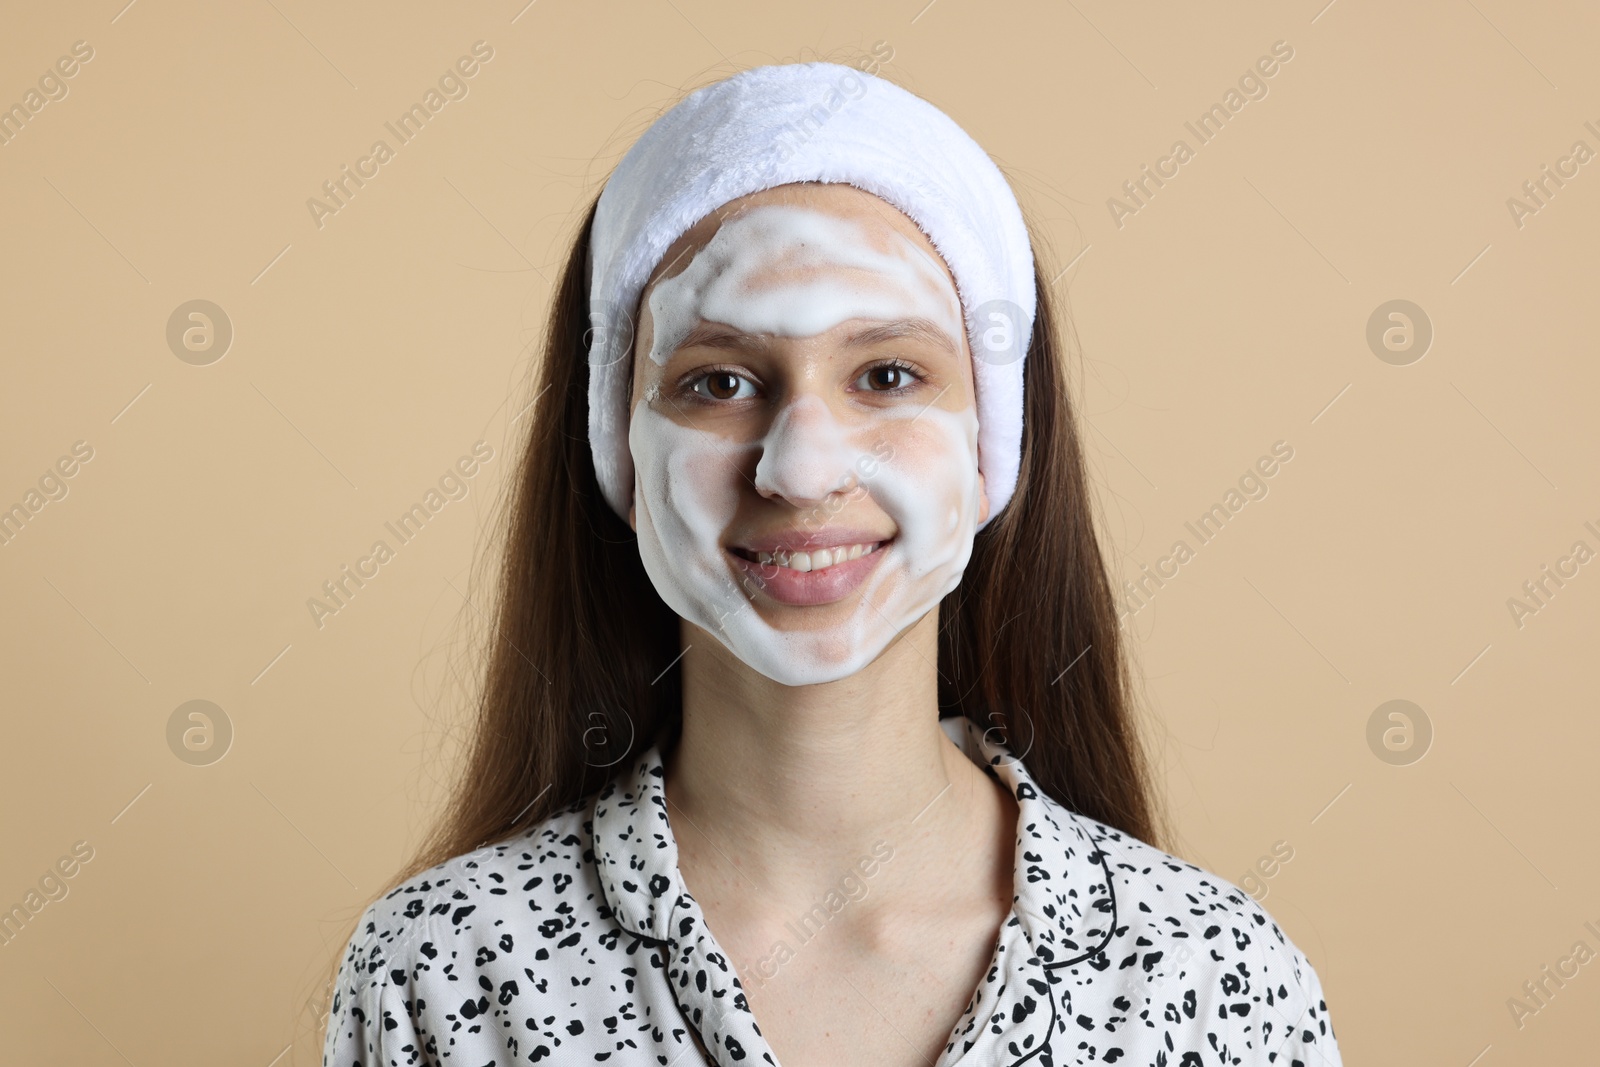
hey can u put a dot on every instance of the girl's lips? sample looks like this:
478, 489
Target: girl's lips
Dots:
804, 588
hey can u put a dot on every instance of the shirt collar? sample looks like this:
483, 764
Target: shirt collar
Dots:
634, 849
1063, 913
1064, 899
1063, 890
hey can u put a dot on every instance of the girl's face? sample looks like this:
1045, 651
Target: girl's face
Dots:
804, 430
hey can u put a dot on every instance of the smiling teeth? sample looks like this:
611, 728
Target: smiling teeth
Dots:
815, 561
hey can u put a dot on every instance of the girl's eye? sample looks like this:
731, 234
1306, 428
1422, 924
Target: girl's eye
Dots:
892, 376
722, 385
889, 377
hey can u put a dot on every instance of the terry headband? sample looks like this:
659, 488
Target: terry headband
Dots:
823, 122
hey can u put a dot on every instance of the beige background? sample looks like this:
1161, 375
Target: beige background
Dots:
1230, 312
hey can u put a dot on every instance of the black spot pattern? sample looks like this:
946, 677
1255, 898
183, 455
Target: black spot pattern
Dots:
577, 942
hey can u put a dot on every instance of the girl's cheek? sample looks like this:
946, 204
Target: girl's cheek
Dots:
697, 481
926, 452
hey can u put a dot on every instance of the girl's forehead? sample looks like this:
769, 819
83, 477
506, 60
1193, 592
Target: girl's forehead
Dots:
798, 261
873, 218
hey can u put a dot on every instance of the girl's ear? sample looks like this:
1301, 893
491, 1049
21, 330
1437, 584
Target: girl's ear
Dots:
983, 499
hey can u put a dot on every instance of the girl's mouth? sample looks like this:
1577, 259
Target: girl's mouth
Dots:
817, 576
815, 560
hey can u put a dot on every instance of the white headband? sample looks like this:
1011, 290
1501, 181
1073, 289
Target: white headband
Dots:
795, 122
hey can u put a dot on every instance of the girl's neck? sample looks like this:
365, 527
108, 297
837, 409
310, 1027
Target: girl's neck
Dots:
784, 787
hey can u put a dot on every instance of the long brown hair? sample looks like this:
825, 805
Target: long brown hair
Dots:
581, 673
1029, 643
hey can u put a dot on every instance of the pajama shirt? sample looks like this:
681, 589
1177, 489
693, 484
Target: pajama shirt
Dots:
577, 942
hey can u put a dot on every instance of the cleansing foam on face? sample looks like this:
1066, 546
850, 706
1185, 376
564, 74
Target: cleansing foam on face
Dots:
794, 271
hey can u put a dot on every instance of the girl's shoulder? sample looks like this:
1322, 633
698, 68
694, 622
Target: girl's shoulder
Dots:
427, 957
1197, 943
550, 858
1150, 881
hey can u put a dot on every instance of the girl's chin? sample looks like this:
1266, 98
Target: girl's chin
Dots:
790, 647
809, 670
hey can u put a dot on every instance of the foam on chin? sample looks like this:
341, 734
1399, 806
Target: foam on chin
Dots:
689, 481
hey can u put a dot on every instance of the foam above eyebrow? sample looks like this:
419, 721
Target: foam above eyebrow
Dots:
717, 286
728, 140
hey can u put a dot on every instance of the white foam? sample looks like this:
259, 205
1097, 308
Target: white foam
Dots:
918, 463
847, 278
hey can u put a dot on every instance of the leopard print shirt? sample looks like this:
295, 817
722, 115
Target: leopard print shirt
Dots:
577, 942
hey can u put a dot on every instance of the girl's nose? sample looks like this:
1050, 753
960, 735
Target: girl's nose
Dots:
805, 456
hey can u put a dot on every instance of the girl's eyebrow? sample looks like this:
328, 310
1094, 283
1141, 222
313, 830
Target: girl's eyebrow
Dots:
721, 335
917, 329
